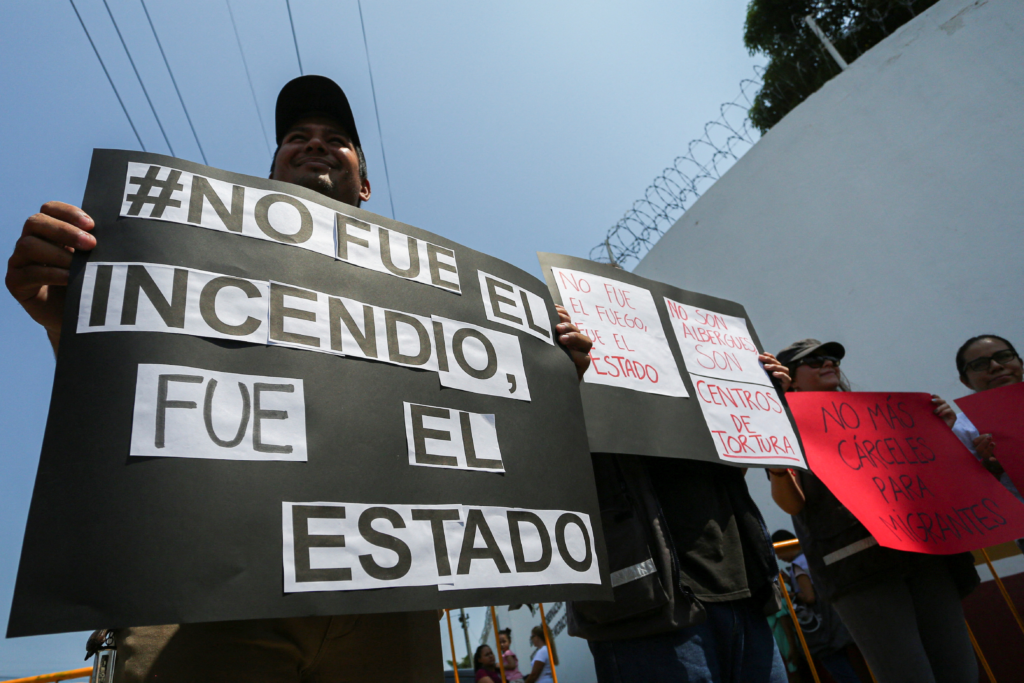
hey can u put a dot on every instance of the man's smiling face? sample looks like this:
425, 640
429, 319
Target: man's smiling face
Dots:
319, 154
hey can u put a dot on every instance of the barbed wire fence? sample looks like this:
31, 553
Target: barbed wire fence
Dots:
837, 33
724, 141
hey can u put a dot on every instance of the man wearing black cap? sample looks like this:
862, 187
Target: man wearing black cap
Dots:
315, 108
318, 148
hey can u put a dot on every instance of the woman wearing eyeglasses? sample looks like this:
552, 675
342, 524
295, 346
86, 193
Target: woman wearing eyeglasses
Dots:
902, 609
987, 362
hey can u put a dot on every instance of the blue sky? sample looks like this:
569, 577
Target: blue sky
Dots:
509, 127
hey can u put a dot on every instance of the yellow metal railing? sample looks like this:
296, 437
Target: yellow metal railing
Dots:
1002, 588
796, 625
51, 678
547, 639
497, 641
451, 640
977, 651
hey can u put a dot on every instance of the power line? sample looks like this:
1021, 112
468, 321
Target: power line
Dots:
263, 127
144, 91
294, 39
168, 65
376, 111
109, 79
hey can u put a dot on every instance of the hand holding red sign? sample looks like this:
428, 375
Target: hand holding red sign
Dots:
1000, 413
900, 470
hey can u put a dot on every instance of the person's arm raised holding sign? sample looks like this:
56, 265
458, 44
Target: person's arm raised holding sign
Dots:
986, 362
989, 362
575, 342
816, 372
689, 547
922, 627
776, 370
37, 272
318, 149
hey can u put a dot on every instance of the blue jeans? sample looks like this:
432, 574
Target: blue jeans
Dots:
839, 667
734, 645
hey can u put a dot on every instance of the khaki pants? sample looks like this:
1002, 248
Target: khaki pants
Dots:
402, 646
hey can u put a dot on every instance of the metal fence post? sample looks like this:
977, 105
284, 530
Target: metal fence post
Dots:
497, 641
981, 655
547, 641
451, 639
1002, 589
799, 631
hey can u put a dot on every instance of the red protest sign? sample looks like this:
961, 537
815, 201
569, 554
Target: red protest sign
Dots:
1000, 412
903, 473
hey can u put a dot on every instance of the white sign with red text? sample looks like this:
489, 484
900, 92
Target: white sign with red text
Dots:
715, 344
630, 347
748, 423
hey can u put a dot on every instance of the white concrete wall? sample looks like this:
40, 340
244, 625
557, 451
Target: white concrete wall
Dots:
885, 212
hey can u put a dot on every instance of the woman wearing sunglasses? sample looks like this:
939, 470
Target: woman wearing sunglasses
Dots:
902, 609
987, 362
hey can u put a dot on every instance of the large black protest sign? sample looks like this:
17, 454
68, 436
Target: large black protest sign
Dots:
673, 373
270, 404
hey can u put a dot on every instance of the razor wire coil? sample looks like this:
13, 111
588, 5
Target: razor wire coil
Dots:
853, 26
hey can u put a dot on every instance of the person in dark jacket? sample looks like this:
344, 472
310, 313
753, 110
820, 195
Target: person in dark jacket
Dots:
902, 609
692, 570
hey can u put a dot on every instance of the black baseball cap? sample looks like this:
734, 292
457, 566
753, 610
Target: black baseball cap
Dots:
809, 347
307, 95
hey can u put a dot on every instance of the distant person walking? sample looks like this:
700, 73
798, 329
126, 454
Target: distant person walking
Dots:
902, 609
